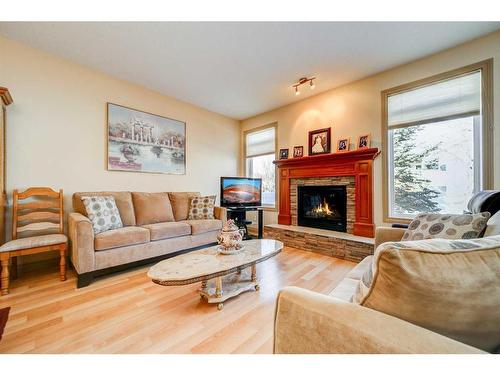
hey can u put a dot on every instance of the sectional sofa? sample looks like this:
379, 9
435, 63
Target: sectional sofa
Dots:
155, 226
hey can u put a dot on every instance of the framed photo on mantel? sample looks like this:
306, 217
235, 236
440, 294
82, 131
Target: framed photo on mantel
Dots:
320, 141
143, 142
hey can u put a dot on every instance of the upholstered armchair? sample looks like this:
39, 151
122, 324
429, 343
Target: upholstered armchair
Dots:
428, 296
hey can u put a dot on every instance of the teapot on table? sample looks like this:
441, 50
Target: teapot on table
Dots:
231, 237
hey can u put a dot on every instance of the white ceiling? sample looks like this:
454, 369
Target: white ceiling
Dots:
242, 69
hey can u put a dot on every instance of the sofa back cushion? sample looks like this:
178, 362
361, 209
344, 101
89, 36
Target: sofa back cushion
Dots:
180, 204
123, 201
448, 286
151, 208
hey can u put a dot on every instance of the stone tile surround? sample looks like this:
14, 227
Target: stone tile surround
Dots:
347, 181
336, 244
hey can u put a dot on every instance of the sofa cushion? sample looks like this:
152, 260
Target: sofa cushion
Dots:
493, 226
203, 226
123, 201
103, 213
125, 236
346, 289
448, 286
151, 208
201, 208
429, 225
357, 272
160, 231
180, 204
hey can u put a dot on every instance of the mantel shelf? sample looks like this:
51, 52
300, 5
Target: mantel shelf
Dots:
363, 154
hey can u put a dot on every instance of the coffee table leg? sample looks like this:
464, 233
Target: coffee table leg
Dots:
218, 291
254, 276
203, 288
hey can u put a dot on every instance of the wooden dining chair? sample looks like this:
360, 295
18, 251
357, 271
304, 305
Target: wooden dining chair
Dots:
37, 227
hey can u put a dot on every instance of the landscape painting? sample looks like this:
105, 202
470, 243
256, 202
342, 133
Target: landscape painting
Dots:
143, 142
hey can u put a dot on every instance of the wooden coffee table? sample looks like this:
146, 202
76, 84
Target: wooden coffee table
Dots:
221, 276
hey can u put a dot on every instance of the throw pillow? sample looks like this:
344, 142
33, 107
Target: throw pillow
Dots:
103, 213
202, 208
428, 225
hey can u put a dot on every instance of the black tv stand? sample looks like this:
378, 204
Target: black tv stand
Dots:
239, 215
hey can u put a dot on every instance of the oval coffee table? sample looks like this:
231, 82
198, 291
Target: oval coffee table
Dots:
221, 276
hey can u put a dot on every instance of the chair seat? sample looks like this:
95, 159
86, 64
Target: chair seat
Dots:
32, 242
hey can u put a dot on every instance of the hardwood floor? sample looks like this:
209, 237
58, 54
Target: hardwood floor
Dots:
127, 313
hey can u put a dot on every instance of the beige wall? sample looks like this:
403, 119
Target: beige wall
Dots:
56, 134
355, 109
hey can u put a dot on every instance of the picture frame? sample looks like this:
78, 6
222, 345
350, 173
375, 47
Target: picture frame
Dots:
320, 141
364, 141
283, 153
298, 151
343, 144
139, 141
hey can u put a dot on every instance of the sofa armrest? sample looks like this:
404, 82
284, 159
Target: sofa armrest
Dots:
220, 213
81, 236
309, 322
388, 234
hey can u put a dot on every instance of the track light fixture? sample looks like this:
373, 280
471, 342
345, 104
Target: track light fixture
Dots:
302, 81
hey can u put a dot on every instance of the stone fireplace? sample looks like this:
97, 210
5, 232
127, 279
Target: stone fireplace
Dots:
324, 186
326, 204
351, 171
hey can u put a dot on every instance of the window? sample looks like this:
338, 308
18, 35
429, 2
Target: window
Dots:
260, 152
436, 134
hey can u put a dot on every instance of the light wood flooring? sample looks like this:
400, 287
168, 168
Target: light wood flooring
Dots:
127, 313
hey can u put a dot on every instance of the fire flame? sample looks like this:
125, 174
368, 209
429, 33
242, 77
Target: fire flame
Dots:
323, 208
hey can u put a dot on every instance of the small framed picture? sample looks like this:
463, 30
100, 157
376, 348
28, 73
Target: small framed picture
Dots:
298, 151
343, 144
319, 141
283, 153
363, 141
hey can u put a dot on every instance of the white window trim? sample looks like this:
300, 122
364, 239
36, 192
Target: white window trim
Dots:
246, 172
483, 136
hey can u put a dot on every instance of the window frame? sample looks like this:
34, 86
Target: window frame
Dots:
258, 129
486, 68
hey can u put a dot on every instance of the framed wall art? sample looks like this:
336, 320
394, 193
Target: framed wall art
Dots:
364, 141
298, 151
143, 142
343, 144
320, 141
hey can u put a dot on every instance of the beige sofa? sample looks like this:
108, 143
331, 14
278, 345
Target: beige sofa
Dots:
453, 293
155, 226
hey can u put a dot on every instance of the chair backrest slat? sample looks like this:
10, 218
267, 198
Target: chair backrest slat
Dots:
37, 226
44, 211
37, 216
38, 205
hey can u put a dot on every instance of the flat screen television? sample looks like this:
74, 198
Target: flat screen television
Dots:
240, 192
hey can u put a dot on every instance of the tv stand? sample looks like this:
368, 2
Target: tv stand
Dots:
239, 215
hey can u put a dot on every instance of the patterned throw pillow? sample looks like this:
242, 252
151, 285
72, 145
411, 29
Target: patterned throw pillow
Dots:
103, 213
465, 226
201, 208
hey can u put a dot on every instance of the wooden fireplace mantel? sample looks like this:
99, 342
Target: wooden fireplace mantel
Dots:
353, 163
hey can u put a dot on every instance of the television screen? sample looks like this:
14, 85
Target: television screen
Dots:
240, 191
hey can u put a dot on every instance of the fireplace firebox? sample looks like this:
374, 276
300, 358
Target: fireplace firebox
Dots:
322, 207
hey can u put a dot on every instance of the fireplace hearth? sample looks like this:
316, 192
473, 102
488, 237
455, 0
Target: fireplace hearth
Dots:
322, 207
